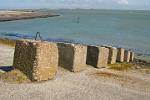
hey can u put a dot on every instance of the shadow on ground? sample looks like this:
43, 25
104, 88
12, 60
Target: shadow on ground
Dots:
6, 68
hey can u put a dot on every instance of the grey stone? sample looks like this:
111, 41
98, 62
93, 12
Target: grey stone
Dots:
97, 56
72, 56
120, 55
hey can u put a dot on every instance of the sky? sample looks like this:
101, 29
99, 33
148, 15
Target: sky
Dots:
73, 4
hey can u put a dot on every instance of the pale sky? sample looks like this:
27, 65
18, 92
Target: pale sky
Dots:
71, 4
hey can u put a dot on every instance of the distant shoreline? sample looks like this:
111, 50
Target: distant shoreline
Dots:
21, 15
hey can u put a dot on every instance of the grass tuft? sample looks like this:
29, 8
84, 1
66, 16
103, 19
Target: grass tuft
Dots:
111, 75
14, 76
121, 66
8, 42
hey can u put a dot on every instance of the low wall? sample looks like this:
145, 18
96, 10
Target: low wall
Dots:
38, 60
72, 56
97, 56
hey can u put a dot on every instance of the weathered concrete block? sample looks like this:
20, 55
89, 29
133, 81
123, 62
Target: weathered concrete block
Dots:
97, 56
120, 55
132, 56
127, 56
38, 60
72, 56
112, 54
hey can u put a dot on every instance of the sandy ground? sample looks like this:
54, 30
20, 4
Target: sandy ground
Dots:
86, 85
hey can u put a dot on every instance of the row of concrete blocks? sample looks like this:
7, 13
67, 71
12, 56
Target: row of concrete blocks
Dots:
39, 60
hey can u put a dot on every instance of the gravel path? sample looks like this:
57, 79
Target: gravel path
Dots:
77, 86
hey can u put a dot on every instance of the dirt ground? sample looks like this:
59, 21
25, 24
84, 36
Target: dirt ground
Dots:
90, 84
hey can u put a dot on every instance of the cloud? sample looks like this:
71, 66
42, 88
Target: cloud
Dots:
123, 2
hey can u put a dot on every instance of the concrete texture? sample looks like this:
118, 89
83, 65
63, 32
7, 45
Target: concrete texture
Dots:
127, 56
72, 56
112, 54
38, 60
132, 56
120, 55
97, 56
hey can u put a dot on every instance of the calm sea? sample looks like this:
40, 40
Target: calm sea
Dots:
128, 29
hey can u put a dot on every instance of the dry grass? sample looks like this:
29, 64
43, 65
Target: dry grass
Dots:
121, 66
111, 76
14, 76
8, 42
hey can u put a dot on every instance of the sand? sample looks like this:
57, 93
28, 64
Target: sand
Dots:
90, 84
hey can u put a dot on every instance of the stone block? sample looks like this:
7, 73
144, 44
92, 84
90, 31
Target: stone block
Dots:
120, 55
38, 60
127, 56
112, 54
72, 56
132, 56
97, 56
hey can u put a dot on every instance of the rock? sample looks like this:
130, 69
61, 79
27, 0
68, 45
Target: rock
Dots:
127, 56
72, 56
97, 56
120, 55
37, 59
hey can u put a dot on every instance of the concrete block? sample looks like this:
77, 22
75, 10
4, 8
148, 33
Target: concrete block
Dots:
127, 56
132, 56
112, 54
97, 56
120, 55
38, 60
72, 56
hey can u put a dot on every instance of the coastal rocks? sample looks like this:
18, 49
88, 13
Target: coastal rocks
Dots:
120, 55
97, 56
72, 56
38, 60
127, 56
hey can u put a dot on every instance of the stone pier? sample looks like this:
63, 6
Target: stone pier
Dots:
131, 56
127, 56
97, 56
112, 54
38, 60
72, 56
120, 55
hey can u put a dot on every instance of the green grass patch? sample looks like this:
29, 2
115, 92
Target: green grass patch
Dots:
121, 66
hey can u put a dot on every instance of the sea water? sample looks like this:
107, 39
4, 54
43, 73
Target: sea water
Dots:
120, 28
